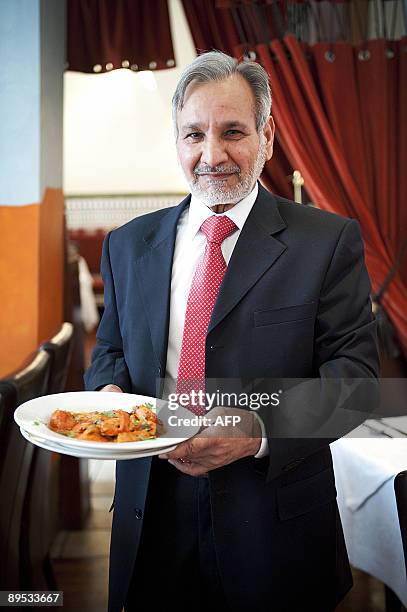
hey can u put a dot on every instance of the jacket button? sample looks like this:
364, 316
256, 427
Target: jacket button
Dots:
138, 513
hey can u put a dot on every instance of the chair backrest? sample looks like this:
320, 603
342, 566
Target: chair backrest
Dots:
33, 506
400, 488
8, 403
60, 350
40, 514
39, 522
29, 382
32, 380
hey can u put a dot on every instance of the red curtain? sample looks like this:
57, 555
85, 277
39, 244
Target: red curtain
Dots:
342, 117
108, 34
340, 111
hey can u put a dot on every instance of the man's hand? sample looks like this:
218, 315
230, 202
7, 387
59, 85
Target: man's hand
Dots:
112, 388
218, 444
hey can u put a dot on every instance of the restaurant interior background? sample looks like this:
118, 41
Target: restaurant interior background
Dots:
87, 143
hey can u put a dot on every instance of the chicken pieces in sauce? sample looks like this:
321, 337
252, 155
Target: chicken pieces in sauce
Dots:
112, 426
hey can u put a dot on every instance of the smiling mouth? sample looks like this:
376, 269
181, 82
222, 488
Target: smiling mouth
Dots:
216, 175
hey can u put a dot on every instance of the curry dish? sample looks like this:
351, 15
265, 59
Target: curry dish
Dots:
112, 426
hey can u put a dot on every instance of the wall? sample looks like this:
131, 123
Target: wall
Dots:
19, 102
32, 52
118, 135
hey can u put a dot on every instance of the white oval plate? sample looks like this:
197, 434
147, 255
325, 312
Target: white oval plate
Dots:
33, 416
97, 452
84, 453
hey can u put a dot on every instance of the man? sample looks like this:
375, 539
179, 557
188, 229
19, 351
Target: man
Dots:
247, 521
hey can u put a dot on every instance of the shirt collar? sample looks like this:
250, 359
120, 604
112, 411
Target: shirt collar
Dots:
198, 211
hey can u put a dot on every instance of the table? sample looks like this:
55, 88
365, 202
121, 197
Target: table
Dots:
365, 466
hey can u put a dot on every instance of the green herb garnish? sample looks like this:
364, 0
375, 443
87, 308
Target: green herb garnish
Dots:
69, 434
111, 414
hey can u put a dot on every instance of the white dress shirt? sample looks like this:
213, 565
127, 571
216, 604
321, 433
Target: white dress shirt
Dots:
189, 247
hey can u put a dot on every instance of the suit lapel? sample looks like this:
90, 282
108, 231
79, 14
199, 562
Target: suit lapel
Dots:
255, 252
153, 269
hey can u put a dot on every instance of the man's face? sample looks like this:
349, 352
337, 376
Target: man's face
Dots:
220, 151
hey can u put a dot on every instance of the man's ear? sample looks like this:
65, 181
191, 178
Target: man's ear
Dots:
268, 131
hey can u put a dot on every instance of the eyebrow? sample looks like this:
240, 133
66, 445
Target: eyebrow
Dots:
235, 124
227, 125
191, 126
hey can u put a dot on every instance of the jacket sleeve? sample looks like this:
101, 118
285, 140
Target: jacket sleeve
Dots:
313, 412
108, 363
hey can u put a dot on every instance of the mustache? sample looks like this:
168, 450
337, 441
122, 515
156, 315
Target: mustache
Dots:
201, 169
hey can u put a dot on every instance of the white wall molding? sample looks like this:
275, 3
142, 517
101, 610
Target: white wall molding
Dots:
108, 212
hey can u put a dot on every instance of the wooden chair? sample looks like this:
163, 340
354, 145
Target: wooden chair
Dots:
29, 382
60, 350
40, 516
8, 402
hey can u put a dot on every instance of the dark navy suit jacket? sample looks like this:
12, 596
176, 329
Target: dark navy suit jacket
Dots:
294, 302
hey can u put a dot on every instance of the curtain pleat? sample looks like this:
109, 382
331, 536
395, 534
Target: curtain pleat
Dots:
373, 93
342, 107
211, 27
399, 211
277, 173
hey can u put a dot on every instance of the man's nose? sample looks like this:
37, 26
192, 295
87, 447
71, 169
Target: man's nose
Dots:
214, 152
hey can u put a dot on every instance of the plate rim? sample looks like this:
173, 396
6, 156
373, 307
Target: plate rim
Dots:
73, 452
100, 449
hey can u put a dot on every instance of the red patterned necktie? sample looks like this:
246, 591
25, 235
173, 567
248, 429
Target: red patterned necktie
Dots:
201, 300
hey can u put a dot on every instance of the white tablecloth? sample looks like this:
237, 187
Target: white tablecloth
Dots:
90, 315
364, 471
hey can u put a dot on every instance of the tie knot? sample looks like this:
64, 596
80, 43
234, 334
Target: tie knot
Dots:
216, 228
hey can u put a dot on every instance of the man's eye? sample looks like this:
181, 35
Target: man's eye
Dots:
194, 135
234, 133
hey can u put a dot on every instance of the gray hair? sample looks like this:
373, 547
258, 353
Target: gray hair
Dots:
217, 66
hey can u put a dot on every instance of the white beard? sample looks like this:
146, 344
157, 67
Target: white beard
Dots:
213, 193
